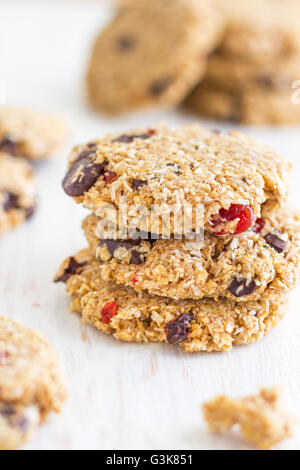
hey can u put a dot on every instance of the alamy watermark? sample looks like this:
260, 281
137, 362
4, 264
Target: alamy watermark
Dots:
176, 221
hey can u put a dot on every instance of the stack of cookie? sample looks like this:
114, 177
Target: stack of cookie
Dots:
223, 280
24, 136
250, 77
224, 59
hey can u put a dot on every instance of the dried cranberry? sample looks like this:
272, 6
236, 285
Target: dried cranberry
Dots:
242, 212
259, 225
135, 279
110, 177
108, 311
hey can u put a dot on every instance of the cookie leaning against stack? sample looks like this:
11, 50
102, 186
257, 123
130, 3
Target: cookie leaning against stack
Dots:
228, 286
25, 136
249, 78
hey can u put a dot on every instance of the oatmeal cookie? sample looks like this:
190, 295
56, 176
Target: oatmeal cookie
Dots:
265, 33
257, 106
17, 192
263, 417
195, 325
29, 134
241, 76
241, 268
30, 383
162, 176
152, 53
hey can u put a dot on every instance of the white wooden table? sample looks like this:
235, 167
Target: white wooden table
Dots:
121, 396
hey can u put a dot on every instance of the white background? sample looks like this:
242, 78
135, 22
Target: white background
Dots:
121, 396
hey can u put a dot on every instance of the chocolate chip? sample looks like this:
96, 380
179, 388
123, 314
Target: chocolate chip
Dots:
82, 174
264, 80
137, 184
9, 146
158, 87
73, 268
125, 43
127, 139
22, 423
11, 201
177, 329
7, 410
29, 211
136, 257
275, 242
240, 288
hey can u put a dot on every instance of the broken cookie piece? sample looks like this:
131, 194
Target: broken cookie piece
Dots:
263, 418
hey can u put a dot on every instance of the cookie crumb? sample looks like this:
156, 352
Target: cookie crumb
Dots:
263, 418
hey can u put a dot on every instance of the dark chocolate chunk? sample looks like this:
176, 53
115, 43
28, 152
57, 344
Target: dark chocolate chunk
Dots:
11, 201
158, 87
29, 211
275, 242
137, 183
9, 146
241, 288
127, 139
82, 174
126, 43
7, 411
72, 268
136, 257
177, 329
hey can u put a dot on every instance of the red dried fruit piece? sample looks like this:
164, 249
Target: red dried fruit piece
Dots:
108, 311
151, 131
135, 279
110, 177
259, 225
242, 212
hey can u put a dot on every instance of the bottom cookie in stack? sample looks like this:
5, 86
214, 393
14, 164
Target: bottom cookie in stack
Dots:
195, 325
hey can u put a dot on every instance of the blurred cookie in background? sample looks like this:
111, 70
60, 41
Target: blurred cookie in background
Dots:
31, 384
30, 134
249, 77
17, 192
153, 53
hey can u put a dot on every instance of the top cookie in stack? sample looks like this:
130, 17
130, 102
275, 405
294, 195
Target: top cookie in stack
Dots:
213, 281
249, 78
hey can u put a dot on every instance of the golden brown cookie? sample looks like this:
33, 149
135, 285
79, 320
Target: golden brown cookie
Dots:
195, 325
152, 53
177, 180
30, 134
241, 268
17, 192
30, 383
